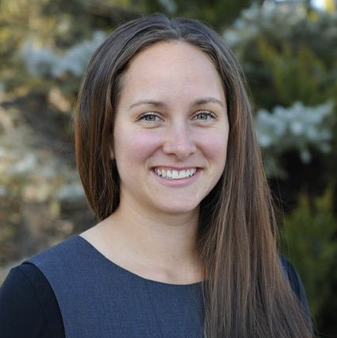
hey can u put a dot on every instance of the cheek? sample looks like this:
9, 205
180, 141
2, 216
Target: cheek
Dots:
133, 146
215, 147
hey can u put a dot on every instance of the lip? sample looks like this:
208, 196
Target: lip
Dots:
183, 182
175, 168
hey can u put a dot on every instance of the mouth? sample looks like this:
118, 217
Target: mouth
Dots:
174, 174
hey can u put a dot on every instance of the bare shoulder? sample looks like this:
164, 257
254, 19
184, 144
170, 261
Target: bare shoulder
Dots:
104, 239
97, 234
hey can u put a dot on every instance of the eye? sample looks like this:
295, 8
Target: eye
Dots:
204, 115
149, 117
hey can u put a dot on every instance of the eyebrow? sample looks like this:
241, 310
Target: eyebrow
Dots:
205, 100
148, 102
198, 102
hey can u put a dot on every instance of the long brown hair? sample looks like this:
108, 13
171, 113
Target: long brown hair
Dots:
246, 293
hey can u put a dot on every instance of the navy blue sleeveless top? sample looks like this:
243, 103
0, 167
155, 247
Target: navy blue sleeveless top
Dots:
98, 298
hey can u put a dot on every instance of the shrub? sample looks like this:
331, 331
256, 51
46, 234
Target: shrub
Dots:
309, 233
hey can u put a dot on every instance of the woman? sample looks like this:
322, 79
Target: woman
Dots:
170, 165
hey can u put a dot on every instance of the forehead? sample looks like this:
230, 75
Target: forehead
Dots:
170, 54
173, 65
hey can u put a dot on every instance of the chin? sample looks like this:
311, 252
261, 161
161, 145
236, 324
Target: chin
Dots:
179, 208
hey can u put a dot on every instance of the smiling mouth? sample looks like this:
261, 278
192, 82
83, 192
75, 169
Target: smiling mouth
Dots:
175, 174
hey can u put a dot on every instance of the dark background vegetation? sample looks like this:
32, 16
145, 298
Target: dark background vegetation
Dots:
288, 52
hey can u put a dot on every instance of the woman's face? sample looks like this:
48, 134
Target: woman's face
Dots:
171, 129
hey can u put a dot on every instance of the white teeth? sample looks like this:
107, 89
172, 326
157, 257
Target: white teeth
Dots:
175, 174
182, 174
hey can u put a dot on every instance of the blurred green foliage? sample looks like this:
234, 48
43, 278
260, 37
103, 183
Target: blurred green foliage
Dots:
310, 236
217, 13
293, 74
286, 56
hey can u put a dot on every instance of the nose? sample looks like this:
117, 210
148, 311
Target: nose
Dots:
179, 142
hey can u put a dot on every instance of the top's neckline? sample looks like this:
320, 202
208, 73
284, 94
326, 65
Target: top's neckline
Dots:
109, 261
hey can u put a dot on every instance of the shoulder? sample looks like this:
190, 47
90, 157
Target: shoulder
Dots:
293, 276
295, 282
28, 306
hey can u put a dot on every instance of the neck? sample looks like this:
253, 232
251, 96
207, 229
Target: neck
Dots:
166, 249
